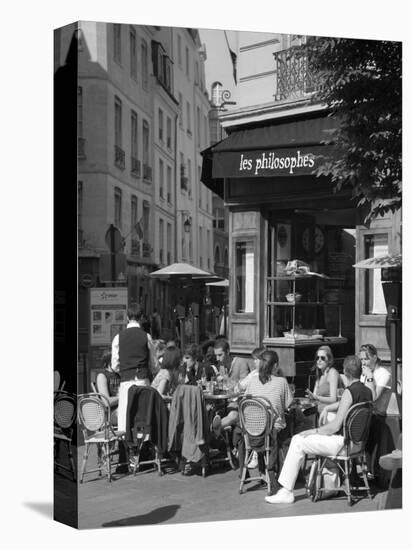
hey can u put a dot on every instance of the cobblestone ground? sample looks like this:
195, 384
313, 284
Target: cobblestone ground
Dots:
147, 499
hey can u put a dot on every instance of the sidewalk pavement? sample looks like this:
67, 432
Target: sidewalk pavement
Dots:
149, 499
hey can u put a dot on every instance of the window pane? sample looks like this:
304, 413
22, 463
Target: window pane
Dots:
375, 245
245, 277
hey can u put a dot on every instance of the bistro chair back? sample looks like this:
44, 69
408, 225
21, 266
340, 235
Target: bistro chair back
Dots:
256, 416
64, 419
94, 419
356, 426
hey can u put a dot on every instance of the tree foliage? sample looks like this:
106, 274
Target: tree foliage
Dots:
361, 82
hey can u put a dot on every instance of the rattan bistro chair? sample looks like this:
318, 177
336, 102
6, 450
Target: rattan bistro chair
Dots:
94, 419
355, 432
64, 419
256, 416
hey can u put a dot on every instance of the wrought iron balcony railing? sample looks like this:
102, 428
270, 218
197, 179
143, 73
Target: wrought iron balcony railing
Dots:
293, 77
119, 157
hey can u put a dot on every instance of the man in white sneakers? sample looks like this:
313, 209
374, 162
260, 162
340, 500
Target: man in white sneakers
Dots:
324, 441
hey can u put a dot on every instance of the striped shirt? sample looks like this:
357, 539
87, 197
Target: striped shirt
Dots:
277, 391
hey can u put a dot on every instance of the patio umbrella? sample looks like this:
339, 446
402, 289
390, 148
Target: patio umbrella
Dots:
223, 283
380, 262
183, 271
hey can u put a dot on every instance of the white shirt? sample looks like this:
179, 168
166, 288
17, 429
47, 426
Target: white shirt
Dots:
243, 383
381, 377
115, 346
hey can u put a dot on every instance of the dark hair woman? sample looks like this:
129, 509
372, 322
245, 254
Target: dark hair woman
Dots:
164, 379
274, 388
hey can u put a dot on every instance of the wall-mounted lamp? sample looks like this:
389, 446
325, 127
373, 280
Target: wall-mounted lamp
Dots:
187, 224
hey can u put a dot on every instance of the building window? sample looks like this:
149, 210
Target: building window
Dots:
146, 220
244, 276
147, 171
205, 126
183, 176
169, 244
134, 162
180, 110
160, 125
161, 240
161, 179
117, 43
196, 72
169, 185
219, 219
179, 50
198, 126
200, 247
375, 245
189, 177
188, 118
145, 66
133, 213
133, 53
217, 257
117, 207
187, 62
208, 248
79, 111
169, 133
216, 94
119, 157
81, 149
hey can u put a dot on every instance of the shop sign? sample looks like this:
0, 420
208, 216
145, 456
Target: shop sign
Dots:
108, 309
278, 162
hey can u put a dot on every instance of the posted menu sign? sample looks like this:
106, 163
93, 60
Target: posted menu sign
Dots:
108, 308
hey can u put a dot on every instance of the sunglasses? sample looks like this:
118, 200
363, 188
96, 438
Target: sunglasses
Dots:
321, 358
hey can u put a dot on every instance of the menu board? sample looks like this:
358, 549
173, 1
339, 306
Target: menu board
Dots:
108, 308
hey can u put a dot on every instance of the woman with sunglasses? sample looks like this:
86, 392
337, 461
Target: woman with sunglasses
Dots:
328, 380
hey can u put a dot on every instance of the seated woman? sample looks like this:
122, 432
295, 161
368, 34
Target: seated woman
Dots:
107, 383
159, 349
164, 379
327, 383
276, 390
378, 380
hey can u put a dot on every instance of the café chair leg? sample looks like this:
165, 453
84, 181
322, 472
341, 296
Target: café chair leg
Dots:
85, 457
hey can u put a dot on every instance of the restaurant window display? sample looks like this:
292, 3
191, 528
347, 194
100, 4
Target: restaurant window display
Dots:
309, 298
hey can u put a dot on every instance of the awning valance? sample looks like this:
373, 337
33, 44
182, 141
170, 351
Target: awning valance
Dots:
289, 148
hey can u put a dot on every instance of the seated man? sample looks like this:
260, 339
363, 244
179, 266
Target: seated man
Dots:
324, 441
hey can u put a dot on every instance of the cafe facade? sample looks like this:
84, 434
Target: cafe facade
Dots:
293, 240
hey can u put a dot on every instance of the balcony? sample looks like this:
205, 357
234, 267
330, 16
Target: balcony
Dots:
293, 78
81, 147
135, 167
147, 172
119, 157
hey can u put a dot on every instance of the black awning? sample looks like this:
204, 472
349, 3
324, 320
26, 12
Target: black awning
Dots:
277, 149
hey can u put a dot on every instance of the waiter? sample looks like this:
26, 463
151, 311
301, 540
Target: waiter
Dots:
132, 350
132, 358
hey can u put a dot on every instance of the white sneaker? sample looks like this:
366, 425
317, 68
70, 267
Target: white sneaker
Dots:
253, 462
283, 496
